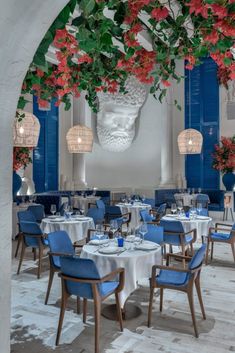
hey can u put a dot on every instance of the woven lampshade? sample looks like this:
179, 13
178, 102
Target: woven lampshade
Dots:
190, 142
79, 139
26, 132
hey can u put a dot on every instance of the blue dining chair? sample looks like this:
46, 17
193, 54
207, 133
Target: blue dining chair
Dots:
80, 277
154, 234
180, 279
100, 204
37, 211
59, 244
203, 212
174, 235
114, 213
221, 233
33, 237
203, 199
146, 216
97, 214
23, 216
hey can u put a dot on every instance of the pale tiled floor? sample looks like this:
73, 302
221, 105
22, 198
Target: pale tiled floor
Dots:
34, 324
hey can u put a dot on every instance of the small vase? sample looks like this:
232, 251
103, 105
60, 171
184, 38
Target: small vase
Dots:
229, 181
16, 183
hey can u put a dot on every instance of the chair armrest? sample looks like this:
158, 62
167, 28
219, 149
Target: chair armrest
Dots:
216, 229
128, 214
91, 204
51, 253
79, 243
177, 256
167, 268
223, 224
194, 231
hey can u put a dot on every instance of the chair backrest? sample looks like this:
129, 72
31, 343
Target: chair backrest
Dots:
162, 209
37, 211
203, 199
145, 216
150, 202
170, 227
97, 214
203, 212
77, 267
113, 212
154, 234
26, 216
100, 204
197, 258
60, 242
30, 228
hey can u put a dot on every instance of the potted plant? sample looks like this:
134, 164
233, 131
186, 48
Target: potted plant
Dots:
224, 161
21, 158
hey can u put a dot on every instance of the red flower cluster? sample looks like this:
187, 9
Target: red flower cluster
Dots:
160, 13
224, 155
21, 157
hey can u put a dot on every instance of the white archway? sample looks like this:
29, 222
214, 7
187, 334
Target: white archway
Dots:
22, 26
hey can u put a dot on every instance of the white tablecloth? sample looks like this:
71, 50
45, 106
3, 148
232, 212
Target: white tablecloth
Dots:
135, 212
76, 230
15, 209
81, 202
201, 224
187, 198
137, 263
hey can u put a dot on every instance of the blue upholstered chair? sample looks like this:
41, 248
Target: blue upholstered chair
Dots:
59, 244
32, 236
203, 199
80, 277
37, 211
23, 216
203, 212
159, 212
100, 204
114, 212
221, 233
174, 235
154, 234
146, 216
179, 279
97, 214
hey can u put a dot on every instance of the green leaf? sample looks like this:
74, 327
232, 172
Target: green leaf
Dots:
22, 103
78, 21
87, 6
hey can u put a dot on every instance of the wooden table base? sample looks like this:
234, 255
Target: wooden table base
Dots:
131, 311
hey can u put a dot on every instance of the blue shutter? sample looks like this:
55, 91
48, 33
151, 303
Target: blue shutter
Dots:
203, 88
45, 159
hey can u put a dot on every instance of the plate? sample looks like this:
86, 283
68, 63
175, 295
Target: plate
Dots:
98, 242
131, 238
57, 220
147, 246
171, 215
203, 218
110, 250
52, 217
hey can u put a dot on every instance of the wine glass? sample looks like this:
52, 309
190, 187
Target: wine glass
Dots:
99, 232
199, 190
199, 208
82, 211
143, 198
173, 208
189, 190
180, 206
53, 209
143, 229
113, 225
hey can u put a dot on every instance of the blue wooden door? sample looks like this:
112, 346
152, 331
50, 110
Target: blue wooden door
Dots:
202, 113
45, 157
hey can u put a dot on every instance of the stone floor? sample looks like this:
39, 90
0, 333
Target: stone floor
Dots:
34, 324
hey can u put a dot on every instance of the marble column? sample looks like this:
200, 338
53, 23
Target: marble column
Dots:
166, 144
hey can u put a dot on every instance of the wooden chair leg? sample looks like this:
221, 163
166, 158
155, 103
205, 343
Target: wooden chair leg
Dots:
207, 251
191, 305
21, 257
233, 250
78, 305
161, 298
212, 250
84, 310
61, 319
40, 261
18, 244
119, 312
34, 254
51, 276
183, 253
97, 309
150, 306
199, 293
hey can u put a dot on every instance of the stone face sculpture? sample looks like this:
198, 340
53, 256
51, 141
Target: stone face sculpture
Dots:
117, 115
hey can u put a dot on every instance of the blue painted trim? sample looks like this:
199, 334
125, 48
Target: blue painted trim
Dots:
204, 92
45, 163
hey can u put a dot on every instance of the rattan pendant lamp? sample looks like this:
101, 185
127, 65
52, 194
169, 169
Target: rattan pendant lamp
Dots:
190, 140
79, 139
26, 129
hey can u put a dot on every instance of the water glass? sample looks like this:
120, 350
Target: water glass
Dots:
173, 208
199, 208
143, 229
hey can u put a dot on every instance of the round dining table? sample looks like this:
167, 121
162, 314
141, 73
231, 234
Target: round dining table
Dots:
134, 209
82, 203
75, 227
200, 223
137, 263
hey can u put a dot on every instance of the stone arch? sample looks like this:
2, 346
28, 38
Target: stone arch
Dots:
22, 27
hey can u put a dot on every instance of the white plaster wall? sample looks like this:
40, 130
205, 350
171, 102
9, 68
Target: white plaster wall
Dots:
138, 166
22, 26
